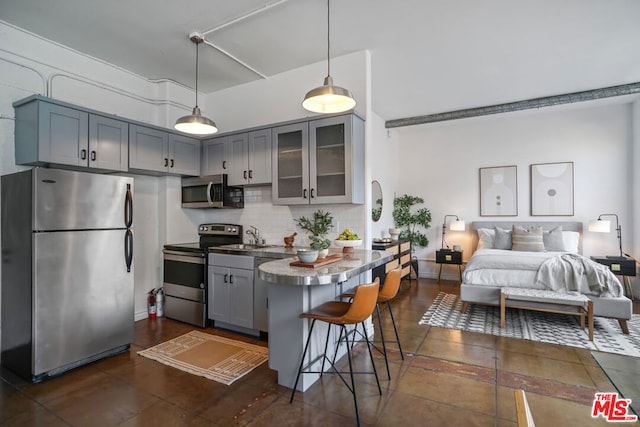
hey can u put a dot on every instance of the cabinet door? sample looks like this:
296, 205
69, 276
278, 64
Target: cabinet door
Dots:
290, 164
218, 304
214, 156
260, 156
184, 155
238, 157
241, 297
108, 143
63, 135
148, 149
330, 160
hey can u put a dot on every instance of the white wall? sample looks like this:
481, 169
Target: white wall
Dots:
440, 162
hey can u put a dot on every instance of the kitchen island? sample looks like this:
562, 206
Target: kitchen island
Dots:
294, 290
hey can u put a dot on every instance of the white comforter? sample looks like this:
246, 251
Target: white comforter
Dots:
540, 270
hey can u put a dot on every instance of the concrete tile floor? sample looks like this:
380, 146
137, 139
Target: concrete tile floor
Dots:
448, 378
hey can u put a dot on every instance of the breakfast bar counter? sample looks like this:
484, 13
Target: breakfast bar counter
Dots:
294, 290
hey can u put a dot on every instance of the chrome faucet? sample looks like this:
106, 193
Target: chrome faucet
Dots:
255, 233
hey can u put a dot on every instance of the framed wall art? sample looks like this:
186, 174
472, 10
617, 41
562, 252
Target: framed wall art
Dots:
552, 189
499, 191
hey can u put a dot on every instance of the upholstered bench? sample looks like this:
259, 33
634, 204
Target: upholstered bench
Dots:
549, 301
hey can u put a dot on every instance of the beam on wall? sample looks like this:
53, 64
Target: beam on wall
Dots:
547, 101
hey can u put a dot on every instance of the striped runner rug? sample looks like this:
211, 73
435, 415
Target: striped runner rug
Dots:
531, 325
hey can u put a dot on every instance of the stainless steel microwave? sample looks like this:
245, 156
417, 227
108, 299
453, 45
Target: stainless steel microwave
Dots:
211, 192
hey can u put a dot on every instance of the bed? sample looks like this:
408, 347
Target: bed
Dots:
510, 254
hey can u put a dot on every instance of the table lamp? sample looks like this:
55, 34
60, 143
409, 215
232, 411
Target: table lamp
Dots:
603, 226
457, 225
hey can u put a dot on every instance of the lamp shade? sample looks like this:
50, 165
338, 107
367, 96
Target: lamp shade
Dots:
457, 225
328, 98
196, 124
600, 226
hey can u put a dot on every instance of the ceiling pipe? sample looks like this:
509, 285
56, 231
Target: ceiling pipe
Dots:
245, 16
240, 18
548, 101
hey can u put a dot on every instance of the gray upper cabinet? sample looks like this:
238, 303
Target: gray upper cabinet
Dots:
48, 133
108, 143
214, 156
154, 150
245, 157
250, 158
319, 162
184, 155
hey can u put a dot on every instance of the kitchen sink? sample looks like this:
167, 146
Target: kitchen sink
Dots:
245, 246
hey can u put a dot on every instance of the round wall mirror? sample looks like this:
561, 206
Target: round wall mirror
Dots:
376, 201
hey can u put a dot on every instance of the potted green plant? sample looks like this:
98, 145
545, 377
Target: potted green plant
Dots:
409, 219
318, 226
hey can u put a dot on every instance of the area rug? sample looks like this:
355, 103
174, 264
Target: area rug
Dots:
216, 358
531, 325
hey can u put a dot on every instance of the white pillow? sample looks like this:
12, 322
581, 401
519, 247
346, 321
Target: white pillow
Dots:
485, 238
571, 241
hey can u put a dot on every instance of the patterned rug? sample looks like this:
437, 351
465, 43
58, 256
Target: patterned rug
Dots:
210, 356
532, 325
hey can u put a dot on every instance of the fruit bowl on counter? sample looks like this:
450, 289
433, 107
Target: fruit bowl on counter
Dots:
347, 245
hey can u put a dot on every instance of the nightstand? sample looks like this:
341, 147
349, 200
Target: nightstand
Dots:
447, 256
625, 267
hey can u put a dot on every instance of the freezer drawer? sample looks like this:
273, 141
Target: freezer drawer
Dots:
185, 310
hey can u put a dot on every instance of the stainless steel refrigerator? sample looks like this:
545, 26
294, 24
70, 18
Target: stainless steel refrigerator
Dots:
67, 273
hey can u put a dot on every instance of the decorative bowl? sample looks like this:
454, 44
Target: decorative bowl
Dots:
307, 255
348, 245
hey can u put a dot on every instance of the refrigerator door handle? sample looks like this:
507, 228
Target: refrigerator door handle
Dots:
128, 208
128, 249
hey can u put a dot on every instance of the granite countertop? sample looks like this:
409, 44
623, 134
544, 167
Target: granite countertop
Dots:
352, 264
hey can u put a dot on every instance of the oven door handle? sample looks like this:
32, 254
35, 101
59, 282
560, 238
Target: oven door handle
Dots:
181, 257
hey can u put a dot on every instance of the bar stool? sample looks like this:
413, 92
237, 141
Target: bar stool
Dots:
341, 313
388, 291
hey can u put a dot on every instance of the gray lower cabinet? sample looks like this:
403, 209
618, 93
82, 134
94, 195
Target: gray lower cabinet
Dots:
231, 289
53, 133
153, 150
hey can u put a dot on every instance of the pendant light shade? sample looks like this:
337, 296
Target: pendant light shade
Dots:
196, 123
328, 98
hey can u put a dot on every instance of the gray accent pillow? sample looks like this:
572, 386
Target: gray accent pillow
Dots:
527, 240
502, 239
553, 240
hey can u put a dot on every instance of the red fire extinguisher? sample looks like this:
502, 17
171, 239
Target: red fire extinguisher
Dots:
151, 304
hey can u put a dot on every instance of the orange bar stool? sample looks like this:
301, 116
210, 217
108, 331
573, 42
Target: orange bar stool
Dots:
341, 313
387, 292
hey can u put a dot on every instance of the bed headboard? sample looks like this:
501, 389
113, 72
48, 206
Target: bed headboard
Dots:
546, 225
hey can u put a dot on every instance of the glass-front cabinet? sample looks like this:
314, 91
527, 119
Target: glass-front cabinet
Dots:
319, 161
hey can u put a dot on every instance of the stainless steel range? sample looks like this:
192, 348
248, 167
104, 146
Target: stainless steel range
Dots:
185, 272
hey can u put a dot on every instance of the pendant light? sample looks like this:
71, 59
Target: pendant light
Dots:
328, 98
196, 123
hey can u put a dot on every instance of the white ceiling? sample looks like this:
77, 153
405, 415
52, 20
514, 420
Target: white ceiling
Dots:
428, 56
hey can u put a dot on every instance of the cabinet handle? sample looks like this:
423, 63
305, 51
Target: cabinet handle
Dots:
171, 162
83, 154
224, 164
244, 174
304, 193
311, 192
250, 174
231, 279
166, 162
93, 155
226, 276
